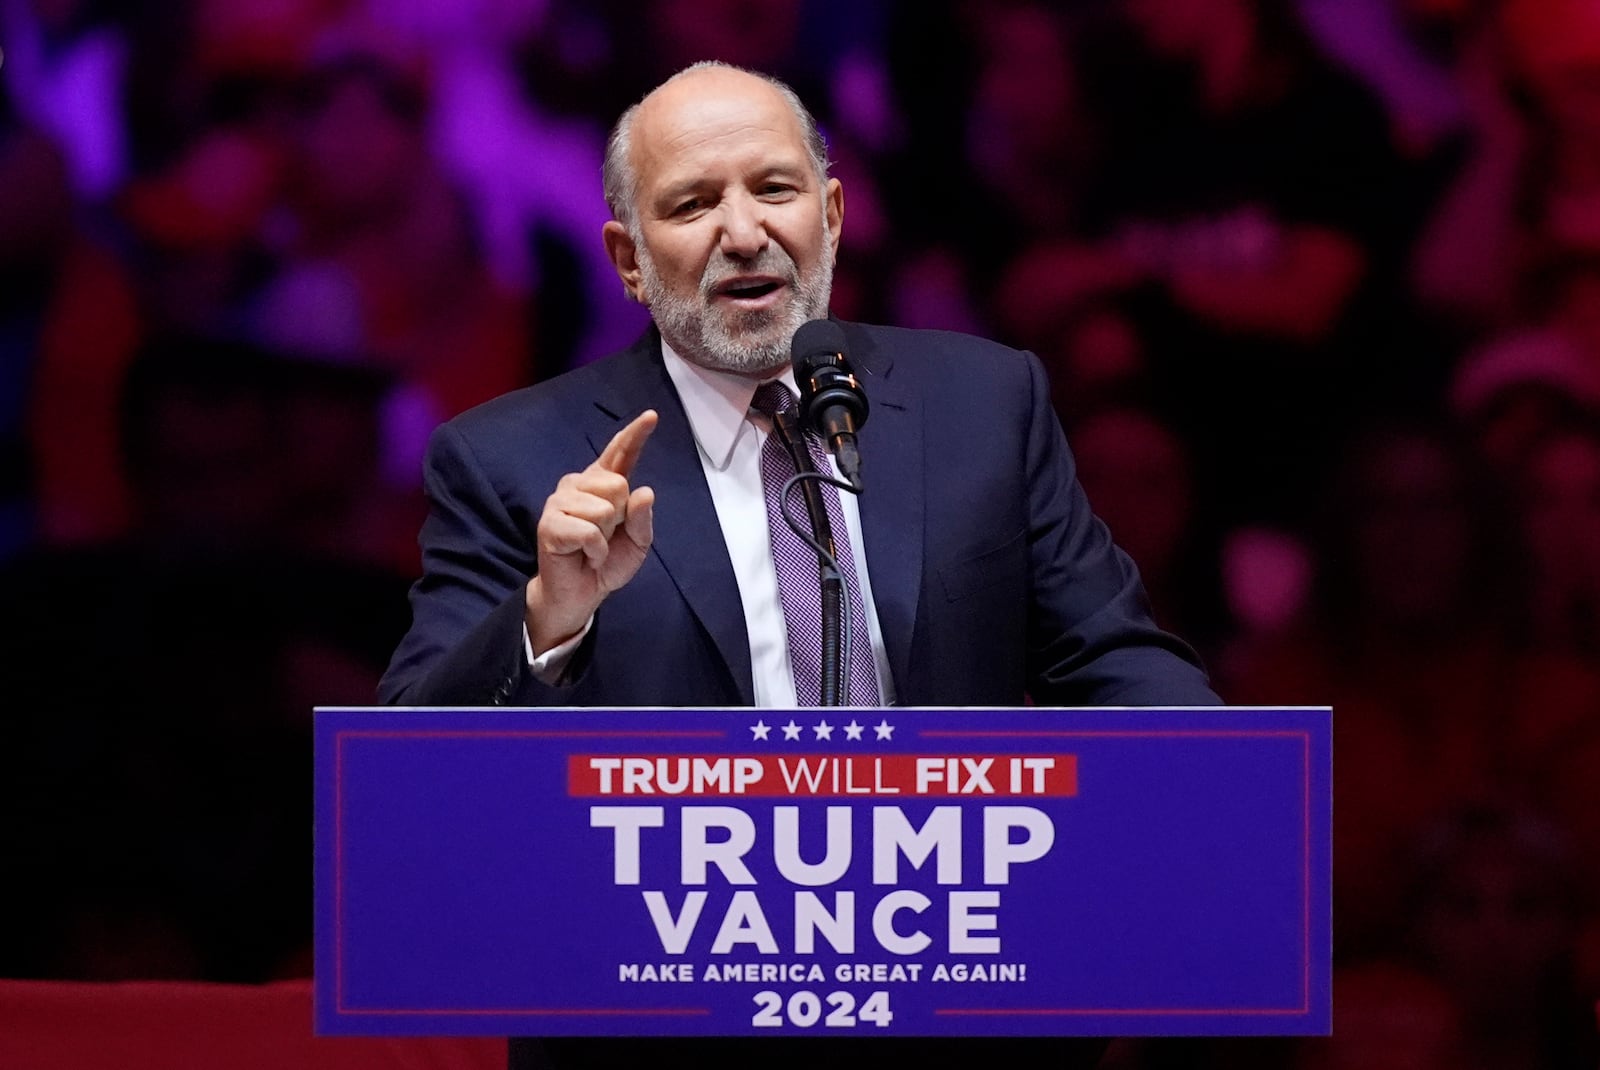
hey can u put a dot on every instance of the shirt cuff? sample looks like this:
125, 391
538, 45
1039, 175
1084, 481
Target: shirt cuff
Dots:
550, 667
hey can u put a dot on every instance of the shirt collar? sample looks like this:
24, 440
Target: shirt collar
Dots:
717, 403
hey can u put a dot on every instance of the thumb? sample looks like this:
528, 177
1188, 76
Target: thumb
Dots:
640, 521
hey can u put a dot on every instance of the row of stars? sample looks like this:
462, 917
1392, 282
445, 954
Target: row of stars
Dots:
852, 731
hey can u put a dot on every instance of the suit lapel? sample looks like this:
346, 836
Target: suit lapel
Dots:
894, 502
688, 538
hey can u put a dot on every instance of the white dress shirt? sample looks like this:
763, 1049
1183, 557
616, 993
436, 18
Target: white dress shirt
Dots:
729, 436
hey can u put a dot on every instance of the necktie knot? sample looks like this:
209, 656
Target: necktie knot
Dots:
772, 398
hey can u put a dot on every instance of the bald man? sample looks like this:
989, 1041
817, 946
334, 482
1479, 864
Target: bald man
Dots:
602, 539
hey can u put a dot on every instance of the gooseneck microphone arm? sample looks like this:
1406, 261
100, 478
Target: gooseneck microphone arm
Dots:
834, 687
832, 405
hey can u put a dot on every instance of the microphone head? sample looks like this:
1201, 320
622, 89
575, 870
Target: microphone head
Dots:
817, 338
824, 375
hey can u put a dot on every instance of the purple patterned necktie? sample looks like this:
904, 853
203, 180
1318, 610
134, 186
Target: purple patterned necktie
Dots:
796, 564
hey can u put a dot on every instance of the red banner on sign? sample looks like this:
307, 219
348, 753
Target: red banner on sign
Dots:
826, 775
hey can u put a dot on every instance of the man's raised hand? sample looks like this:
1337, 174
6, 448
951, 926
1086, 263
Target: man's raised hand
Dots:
592, 537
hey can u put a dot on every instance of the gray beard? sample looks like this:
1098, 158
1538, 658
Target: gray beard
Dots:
757, 342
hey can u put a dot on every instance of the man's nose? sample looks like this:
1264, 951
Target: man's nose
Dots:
744, 227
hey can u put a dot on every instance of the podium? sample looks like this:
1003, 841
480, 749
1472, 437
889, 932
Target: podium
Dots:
823, 872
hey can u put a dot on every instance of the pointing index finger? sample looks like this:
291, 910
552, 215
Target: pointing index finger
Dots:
622, 452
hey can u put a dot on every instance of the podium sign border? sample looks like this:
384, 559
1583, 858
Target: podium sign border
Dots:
337, 728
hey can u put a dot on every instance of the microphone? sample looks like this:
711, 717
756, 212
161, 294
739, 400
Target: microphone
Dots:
832, 403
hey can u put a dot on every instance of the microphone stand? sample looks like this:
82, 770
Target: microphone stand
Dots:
835, 683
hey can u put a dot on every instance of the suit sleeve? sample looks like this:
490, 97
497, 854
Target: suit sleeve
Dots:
465, 646
1091, 638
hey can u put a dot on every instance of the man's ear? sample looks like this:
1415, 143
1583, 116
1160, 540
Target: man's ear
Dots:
624, 257
833, 205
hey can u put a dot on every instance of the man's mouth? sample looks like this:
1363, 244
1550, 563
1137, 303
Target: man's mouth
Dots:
748, 289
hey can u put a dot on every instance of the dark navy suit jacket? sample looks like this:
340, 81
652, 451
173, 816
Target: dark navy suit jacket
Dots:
993, 580
993, 583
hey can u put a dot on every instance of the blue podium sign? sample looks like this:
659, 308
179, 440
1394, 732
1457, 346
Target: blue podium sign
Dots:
897, 872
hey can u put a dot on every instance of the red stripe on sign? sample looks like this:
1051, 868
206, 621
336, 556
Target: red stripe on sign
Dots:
823, 775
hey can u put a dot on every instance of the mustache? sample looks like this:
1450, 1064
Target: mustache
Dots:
770, 261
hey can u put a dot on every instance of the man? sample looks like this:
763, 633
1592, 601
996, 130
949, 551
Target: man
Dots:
552, 576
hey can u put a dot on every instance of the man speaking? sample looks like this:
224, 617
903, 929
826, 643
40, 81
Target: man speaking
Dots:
611, 537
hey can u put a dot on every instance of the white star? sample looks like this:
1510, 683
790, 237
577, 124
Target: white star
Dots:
853, 730
824, 730
791, 730
884, 729
760, 729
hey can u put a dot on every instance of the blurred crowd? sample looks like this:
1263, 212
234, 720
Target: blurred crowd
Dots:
1317, 283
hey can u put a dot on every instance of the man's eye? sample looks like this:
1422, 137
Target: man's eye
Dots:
686, 207
776, 189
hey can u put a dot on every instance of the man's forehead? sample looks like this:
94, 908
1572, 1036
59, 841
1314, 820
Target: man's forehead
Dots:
705, 102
